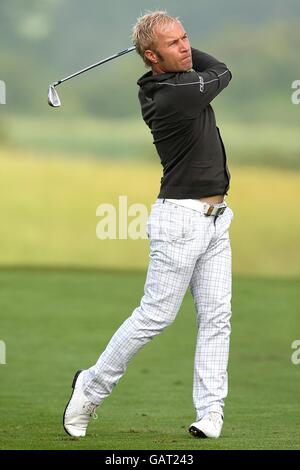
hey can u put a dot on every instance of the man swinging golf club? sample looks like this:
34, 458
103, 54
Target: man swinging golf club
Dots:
188, 227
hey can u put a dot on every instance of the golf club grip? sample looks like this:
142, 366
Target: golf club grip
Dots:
129, 49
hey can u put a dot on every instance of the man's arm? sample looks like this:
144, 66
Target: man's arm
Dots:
214, 75
202, 61
194, 90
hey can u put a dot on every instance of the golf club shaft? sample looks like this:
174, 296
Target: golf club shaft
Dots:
129, 49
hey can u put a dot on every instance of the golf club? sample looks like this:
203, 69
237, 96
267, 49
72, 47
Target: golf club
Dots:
53, 98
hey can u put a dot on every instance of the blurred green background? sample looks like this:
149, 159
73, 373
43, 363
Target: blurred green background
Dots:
58, 165
63, 292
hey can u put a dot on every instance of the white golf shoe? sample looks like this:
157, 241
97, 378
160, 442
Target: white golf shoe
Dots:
79, 409
209, 426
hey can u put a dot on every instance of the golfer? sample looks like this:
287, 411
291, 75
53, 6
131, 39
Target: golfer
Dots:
187, 227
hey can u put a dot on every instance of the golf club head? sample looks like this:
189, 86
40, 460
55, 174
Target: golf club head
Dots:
53, 98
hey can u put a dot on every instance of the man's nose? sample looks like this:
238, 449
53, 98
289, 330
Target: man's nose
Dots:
184, 45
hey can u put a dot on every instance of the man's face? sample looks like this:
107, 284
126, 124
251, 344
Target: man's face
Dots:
172, 49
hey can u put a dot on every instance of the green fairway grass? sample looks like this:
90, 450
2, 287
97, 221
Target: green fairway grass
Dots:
56, 321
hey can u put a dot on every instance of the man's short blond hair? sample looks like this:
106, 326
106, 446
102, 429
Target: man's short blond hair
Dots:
144, 34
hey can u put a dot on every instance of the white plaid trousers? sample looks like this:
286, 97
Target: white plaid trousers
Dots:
187, 249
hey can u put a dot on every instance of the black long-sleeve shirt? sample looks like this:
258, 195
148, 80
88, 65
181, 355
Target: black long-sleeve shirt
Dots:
176, 107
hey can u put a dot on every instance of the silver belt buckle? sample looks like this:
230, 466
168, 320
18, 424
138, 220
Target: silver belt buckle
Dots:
216, 211
220, 210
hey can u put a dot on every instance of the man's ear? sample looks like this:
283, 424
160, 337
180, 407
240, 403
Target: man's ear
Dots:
150, 55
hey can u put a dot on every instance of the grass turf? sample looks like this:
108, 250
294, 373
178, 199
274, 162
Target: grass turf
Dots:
55, 321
